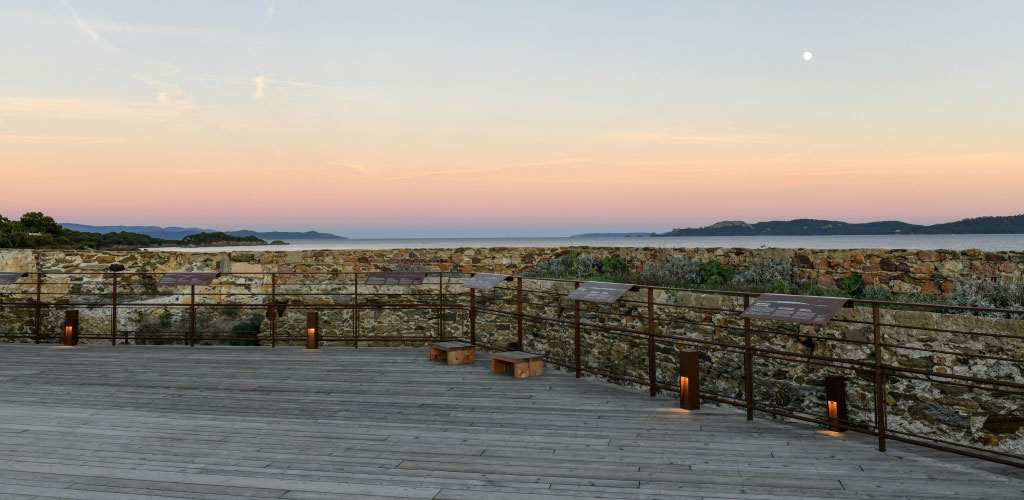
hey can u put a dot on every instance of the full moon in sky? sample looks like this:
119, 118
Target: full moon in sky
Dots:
808, 56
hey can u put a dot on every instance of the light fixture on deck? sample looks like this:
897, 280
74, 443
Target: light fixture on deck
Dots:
689, 380
70, 328
835, 399
312, 329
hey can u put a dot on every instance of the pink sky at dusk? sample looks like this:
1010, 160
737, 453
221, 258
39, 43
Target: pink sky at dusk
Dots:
364, 121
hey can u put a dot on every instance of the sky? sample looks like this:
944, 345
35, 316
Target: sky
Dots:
518, 118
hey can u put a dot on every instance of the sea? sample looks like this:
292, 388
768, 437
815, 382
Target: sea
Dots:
987, 242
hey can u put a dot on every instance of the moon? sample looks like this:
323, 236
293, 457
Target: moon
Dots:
808, 56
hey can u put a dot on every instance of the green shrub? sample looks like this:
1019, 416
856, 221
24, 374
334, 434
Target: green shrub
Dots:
248, 331
613, 266
682, 272
774, 275
713, 274
851, 285
571, 266
553, 267
876, 293
165, 318
991, 295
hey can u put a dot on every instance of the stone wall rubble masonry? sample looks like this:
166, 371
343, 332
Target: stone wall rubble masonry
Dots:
934, 272
977, 417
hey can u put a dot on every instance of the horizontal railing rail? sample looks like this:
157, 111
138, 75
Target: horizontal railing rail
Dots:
635, 340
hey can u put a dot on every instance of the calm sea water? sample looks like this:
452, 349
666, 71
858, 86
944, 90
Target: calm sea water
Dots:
989, 242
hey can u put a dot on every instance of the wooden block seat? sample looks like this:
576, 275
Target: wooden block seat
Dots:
455, 353
521, 364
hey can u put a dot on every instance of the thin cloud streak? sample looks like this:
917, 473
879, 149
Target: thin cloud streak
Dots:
701, 139
82, 109
56, 139
359, 169
167, 93
91, 33
480, 170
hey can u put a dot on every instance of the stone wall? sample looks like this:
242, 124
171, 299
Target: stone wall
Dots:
981, 347
932, 272
941, 408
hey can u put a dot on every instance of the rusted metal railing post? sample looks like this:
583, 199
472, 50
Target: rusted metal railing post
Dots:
355, 311
880, 425
472, 316
39, 306
748, 363
273, 309
113, 311
577, 337
652, 362
440, 306
519, 313
192, 317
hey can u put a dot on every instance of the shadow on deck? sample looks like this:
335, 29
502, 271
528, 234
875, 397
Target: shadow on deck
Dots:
97, 422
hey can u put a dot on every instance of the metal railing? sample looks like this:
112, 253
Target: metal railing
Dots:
754, 364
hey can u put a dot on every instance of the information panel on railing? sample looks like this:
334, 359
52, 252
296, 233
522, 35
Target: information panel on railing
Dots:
596, 291
808, 310
11, 278
485, 281
187, 279
395, 278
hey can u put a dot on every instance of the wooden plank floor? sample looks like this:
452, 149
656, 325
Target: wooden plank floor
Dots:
113, 423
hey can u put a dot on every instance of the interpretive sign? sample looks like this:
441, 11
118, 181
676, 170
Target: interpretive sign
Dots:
485, 281
596, 291
187, 279
395, 278
796, 308
11, 278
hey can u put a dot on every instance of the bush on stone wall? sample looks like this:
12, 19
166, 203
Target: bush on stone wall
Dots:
774, 275
714, 274
681, 272
876, 293
576, 266
989, 294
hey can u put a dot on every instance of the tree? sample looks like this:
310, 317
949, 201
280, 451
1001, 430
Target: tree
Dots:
36, 222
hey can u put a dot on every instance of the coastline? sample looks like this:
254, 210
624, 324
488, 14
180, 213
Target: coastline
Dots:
982, 242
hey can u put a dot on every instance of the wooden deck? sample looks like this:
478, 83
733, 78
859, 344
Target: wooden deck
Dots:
105, 423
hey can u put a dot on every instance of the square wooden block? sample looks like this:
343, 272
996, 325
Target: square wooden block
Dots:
521, 364
454, 353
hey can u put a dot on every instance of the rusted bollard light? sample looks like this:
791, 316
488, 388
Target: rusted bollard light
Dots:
689, 380
70, 328
835, 399
312, 329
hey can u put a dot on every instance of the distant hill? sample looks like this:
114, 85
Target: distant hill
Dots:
177, 233
1013, 224
815, 227
611, 235
37, 230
